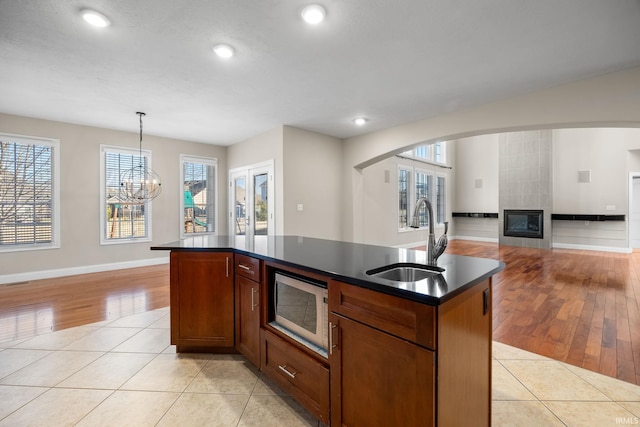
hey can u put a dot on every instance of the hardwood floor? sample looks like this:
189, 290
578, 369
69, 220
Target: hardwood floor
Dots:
580, 307
40, 306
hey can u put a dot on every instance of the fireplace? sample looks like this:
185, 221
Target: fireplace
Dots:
523, 223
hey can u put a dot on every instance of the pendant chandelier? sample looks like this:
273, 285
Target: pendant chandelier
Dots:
140, 184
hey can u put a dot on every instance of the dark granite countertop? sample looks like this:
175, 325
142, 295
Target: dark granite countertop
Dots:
349, 262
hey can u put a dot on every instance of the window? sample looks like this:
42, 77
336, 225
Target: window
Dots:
441, 199
415, 183
439, 152
425, 184
122, 222
403, 197
198, 195
29, 200
421, 151
436, 152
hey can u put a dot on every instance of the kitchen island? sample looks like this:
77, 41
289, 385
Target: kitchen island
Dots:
396, 352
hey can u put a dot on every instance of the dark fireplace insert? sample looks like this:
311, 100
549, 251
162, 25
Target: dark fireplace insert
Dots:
523, 223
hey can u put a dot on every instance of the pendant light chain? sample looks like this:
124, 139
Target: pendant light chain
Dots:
140, 184
140, 115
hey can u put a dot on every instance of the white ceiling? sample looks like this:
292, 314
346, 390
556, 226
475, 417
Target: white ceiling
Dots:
393, 61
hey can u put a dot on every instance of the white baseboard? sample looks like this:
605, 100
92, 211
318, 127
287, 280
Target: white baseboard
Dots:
591, 248
411, 245
423, 242
475, 239
85, 269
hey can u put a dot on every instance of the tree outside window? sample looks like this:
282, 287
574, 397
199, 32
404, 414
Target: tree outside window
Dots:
28, 193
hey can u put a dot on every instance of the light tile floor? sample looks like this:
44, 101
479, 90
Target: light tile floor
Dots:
125, 373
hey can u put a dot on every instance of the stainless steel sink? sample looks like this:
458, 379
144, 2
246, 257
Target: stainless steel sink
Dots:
405, 272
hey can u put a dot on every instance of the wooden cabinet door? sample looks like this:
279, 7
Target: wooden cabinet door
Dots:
248, 319
378, 379
464, 358
202, 307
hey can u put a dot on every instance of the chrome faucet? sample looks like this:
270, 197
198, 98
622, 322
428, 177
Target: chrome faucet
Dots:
434, 250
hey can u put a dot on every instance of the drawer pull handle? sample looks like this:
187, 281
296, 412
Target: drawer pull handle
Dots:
244, 267
286, 371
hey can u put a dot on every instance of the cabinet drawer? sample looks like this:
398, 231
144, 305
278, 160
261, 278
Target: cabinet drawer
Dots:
405, 319
248, 267
303, 377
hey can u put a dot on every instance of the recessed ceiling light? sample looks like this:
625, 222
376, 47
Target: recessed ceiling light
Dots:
313, 14
360, 121
95, 18
224, 50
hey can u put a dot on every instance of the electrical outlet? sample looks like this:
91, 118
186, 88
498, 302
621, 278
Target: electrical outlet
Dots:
610, 207
300, 207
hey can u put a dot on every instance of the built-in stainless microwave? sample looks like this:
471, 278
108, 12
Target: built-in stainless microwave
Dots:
300, 310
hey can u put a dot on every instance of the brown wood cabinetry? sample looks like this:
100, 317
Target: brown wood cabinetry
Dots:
303, 377
406, 319
464, 358
202, 311
392, 361
248, 275
396, 362
378, 379
295, 367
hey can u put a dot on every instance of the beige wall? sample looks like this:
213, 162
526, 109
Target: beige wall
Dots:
307, 170
80, 195
609, 153
312, 178
476, 159
610, 100
259, 149
604, 152
380, 201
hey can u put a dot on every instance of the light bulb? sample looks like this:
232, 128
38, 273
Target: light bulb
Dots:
313, 14
224, 50
95, 18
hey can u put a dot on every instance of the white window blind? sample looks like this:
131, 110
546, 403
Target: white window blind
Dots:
122, 221
28, 193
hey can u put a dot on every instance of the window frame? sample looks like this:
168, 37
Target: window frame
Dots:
431, 180
439, 219
410, 195
210, 161
55, 192
443, 152
428, 153
412, 173
104, 241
